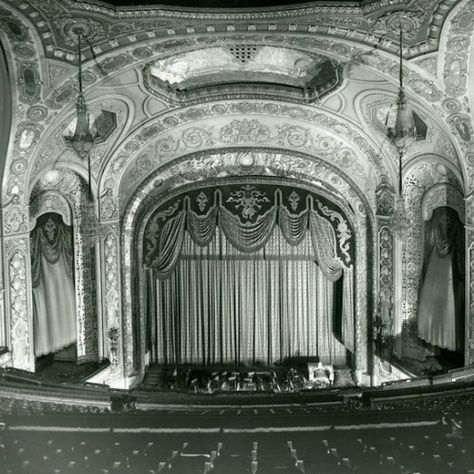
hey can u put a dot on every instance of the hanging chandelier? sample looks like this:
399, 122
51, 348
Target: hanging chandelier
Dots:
402, 133
82, 142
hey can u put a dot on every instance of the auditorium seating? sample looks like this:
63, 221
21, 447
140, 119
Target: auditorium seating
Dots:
419, 449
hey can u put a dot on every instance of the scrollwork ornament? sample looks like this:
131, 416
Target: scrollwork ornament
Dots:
249, 200
343, 231
15, 217
294, 135
37, 113
391, 22
86, 27
384, 195
244, 131
197, 137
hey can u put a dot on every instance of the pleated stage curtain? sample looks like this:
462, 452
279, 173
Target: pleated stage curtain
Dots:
54, 309
223, 306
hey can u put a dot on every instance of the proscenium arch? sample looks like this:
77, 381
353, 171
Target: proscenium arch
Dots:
120, 160
359, 214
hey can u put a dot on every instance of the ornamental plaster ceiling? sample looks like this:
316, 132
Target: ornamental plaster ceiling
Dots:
40, 43
201, 66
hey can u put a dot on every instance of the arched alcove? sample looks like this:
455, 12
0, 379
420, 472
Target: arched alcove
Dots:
441, 305
53, 289
64, 193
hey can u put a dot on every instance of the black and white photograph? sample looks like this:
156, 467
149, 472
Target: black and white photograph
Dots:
237, 237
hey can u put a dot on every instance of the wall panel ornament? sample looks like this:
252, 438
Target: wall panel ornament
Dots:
386, 288
193, 170
19, 291
15, 217
470, 292
111, 295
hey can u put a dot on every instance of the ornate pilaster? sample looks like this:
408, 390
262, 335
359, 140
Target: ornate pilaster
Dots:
362, 276
19, 304
84, 271
111, 304
388, 325
130, 362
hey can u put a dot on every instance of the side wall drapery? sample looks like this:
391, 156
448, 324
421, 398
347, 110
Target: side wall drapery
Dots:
54, 311
441, 302
224, 306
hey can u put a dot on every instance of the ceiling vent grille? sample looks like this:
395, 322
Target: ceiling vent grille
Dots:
243, 52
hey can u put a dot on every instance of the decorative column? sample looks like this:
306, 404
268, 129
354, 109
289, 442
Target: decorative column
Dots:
84, 271
18, 301
131, 360
469, 341
111, 301
389, 320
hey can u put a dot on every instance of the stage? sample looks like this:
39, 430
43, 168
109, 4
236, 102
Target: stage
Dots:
229, 379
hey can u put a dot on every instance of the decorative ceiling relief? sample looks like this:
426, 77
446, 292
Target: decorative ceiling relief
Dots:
260, 68
67, 28
58, 72
218, 133
127, 26
430, 136
429, 64
293, 122
108, 119
414, 23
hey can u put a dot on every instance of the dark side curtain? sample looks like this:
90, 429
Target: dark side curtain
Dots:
441, 301
54, 310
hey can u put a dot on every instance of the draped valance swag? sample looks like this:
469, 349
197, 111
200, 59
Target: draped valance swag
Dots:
247, 216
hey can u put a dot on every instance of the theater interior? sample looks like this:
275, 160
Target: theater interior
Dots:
237, 236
